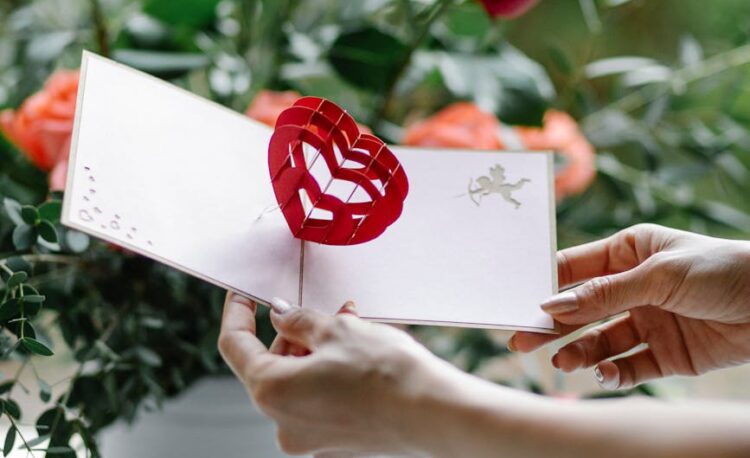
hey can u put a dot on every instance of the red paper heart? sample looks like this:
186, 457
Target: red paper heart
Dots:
330, 130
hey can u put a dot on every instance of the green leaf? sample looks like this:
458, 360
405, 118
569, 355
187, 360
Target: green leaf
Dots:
13, 209
57, 450
77, 242
16, 279
367, 58
9, 310
12, 409
29, 215
161, 62
47, 231
33, 299
189, 13
36, 347
148, 356
17, 264
23, 237
50, 211
6, 386
36, 441
10, 439
45, 391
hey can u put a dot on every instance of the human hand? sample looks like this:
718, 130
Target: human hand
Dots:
331, 383
687, 298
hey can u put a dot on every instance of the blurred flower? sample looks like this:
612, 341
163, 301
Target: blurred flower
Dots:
268, 105
561, 134
507, 8
42, 126
464, 125
461, 125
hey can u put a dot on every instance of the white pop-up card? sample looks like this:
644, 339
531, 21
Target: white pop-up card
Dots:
312, 211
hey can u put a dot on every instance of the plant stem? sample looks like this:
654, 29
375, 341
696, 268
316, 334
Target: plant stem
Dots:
708, 67
20, 434
385, 102
100, 23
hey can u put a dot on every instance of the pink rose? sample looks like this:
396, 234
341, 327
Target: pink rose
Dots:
42, 126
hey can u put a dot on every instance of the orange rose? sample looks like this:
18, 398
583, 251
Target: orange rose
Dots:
268, 105
561, 134
464, 125
461, 125
42, 126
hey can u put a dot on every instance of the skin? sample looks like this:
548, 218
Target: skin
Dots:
337, 386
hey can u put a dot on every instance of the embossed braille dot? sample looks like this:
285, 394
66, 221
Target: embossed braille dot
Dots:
114, 225
97, 209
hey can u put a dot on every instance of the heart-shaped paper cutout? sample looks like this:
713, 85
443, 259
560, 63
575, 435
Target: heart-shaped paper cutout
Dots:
361, 159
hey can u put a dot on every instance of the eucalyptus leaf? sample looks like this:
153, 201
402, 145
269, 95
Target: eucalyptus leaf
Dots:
16, 279
10, 439
367, 58
9, 309
11, 408
29, 214
47, 231
23, 237
36, 347
50, 211
13, 209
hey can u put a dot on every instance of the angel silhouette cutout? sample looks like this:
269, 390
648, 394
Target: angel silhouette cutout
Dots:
495, 184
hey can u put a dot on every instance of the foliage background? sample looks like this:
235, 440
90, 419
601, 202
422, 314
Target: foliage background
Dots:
657, 86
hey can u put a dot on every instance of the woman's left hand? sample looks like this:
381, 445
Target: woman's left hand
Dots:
332, 383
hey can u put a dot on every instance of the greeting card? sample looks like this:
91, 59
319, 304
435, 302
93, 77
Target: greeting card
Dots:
314, 210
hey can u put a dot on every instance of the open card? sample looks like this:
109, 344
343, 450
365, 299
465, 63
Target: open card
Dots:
164, 173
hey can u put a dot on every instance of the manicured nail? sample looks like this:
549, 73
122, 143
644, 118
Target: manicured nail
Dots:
562, 303
350, 306
512, 343
598, 375
609, 382
281, 306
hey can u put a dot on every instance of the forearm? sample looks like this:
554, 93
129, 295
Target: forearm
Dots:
464, 416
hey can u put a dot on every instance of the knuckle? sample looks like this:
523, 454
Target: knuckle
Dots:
597, 292
225, 343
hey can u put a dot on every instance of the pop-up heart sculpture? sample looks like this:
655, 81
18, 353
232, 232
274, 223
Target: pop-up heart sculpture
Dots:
361, 159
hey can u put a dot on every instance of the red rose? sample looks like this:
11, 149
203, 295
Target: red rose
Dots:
464, 125
507, 8
42, 126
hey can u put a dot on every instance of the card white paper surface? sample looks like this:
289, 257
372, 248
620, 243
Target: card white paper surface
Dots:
180, 179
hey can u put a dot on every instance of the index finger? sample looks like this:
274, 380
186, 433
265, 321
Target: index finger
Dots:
238, 344
617, 253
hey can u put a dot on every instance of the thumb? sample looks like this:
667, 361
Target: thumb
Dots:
605, 296
302, 326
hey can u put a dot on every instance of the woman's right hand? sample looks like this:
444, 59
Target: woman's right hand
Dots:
687, 298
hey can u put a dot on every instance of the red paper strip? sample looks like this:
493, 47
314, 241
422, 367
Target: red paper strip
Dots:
362, 159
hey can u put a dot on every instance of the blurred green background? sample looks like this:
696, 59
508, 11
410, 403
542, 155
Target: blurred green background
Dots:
659, 88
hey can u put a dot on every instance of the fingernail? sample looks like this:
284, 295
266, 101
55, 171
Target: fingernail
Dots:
610, 382
598, 375
555, 361
350, 306
562, 303
281, 306
512, 343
